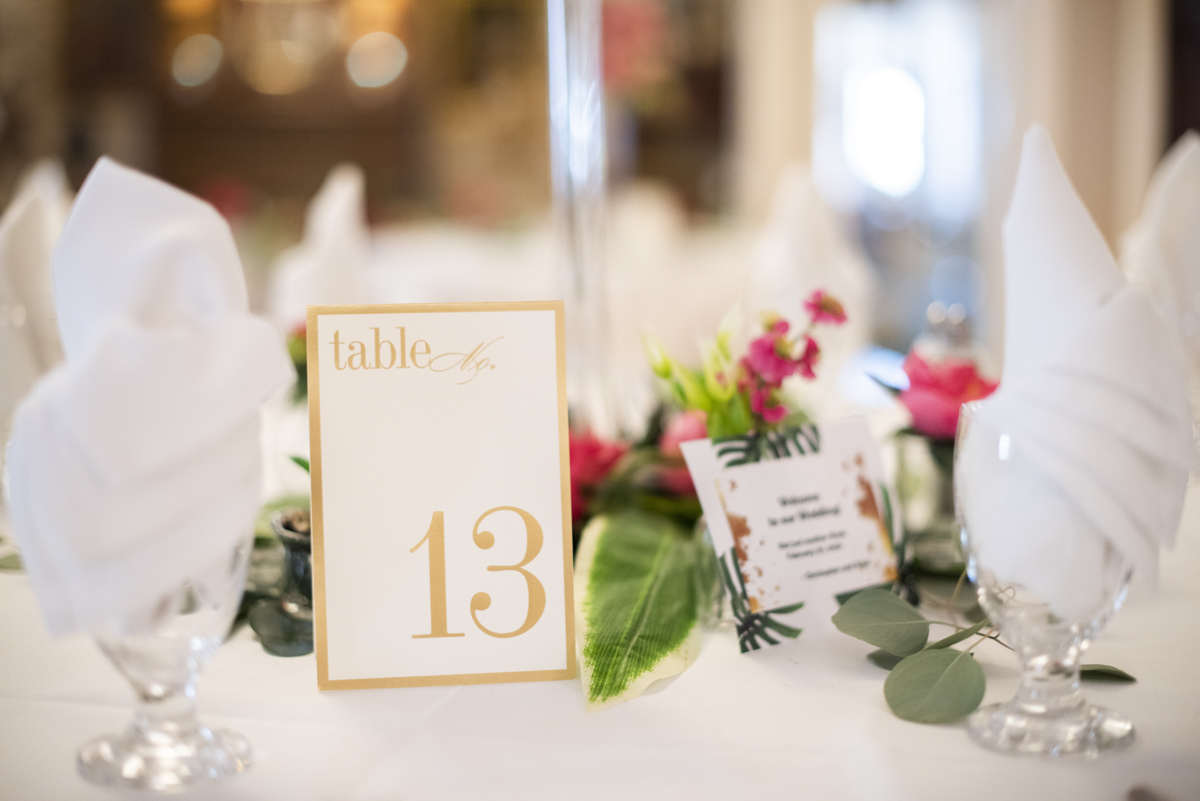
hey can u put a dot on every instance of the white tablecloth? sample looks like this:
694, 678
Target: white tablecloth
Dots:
802, 720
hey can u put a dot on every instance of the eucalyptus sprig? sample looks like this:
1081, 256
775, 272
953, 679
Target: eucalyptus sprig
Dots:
929, 682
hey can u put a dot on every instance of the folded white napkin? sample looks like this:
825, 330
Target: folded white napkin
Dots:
1086, 445
330, 265
1161, 251
136, 462
29, 342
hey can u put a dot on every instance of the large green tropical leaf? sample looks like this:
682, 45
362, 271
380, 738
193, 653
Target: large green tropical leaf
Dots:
638, 587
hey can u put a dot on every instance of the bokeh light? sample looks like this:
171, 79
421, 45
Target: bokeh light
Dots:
376, 59
883, 132
196, 60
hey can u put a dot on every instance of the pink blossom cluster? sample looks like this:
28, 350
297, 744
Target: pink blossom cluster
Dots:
774, 356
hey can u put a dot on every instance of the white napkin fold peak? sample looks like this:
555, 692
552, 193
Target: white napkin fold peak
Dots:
29, 339
135, 464
1161, 251
1086, 445
330, 265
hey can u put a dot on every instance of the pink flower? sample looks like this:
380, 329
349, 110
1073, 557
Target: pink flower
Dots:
825, 308
808, 360
763, 359
691, 424
676, 480
936, 392
592, 459
758, 404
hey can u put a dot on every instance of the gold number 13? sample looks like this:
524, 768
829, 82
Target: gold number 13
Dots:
436, 537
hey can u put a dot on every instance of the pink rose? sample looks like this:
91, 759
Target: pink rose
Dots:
676, 480
691, 424
592, 459
936, 392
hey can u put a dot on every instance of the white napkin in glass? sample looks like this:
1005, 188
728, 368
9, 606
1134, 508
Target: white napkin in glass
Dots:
330, 265
1161, 251
29, 341
136, 462
1093, 401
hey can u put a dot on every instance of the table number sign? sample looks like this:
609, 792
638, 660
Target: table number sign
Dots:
795, 531
440, 494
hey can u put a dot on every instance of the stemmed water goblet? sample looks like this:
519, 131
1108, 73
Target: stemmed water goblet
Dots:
1049, 714
161, 651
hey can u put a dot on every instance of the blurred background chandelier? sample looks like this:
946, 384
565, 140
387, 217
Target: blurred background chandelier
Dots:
278, 46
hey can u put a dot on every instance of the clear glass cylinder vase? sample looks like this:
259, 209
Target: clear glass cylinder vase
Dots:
925, 485
579, 170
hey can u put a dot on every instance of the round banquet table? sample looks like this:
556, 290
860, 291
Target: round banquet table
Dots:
801, 720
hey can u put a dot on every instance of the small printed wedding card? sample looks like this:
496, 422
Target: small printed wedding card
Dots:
797, 517
440, 494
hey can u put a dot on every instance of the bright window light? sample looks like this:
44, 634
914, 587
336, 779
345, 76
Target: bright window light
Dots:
883, 129
196, 60
376, 59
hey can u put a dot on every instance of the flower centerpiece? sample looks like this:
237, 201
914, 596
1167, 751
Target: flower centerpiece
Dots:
642, 555
745, 397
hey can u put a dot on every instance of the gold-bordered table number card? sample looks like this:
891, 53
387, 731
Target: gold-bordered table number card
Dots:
440, 494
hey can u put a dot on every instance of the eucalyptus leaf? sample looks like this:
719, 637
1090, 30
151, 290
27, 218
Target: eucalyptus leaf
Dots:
637, 608
883, 620
938, 686
1096, 672
958, 636
842, 597
883, 659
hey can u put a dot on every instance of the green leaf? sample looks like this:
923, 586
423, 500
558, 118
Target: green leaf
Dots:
11, 561
1104, 673
883, 620
300, 460
637, 610
883, 659
939, 686
842, 597
958, 636
894, 391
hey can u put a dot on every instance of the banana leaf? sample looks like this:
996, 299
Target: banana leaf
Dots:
640, 583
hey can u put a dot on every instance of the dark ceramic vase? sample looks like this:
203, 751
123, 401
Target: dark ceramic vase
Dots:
285, 624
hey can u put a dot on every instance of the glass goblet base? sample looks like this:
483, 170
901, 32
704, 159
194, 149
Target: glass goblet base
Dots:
1083, 732
163, 761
